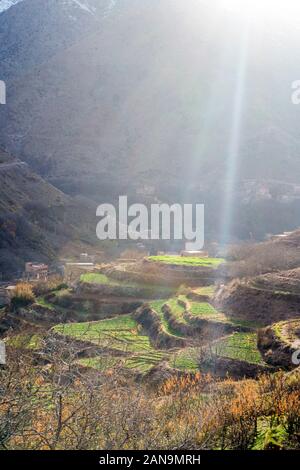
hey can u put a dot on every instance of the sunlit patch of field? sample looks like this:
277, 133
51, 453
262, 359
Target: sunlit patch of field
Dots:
186, 261
202, 310
145, 362
207, 291
100, 363
124, 335
139, 362
238, 346
241, 346
121, 334
140, 287
157, 306
98, 278
185, 359
206, 311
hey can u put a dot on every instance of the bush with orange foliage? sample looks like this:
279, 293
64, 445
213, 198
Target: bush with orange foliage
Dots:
61, 406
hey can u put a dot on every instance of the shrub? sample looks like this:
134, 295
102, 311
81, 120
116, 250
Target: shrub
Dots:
52, 284
23, 295
252, 260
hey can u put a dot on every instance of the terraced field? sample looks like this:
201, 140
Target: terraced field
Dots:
206, 311
238, 346
186, 261
207, 291
119, 333
186, 359
98, 278
133, 349
241, 346
201, 310
157, 306
122, 335
139, 288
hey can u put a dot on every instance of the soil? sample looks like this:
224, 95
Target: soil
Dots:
264, 299
278, 343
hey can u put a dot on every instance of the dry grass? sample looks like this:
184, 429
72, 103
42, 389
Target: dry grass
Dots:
23, 295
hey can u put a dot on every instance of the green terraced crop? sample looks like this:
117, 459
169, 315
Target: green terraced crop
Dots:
100, 363
157, 306
242, 346
121, 334
186, 261
186, 359
98, 278
177, 309
207, 291
206, 311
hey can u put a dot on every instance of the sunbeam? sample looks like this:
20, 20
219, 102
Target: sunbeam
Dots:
232, 163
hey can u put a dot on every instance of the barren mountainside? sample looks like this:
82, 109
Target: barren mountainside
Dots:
105, 96
37, 220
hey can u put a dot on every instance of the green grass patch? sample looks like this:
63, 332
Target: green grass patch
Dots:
186, 261
25, 341
121, 334
43, 302
157, 305
241, 346
177, 309
144, 363
277, 328
98, 278
206, 311
203, 309
100, 363
186, 359
205, 291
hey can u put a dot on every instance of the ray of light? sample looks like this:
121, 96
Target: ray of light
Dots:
232, 162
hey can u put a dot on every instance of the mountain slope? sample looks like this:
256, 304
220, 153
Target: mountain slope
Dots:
141, 101
37, 221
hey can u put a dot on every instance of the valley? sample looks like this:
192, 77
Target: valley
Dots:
140, 325
162, 330
127, 323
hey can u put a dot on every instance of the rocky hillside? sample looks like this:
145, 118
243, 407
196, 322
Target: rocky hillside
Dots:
109, 95
37, 221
